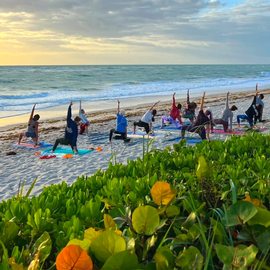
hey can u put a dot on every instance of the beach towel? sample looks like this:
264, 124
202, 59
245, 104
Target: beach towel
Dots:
65, 151
29, 145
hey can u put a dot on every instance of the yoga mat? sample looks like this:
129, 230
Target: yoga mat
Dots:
189, 140
29, 145
140, 134
234, 132
60, 150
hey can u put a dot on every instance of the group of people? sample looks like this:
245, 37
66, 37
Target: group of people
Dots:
197, 124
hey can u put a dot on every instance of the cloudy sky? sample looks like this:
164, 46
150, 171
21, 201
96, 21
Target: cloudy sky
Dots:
52, 32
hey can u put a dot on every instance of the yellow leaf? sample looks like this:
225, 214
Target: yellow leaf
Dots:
91, 234
14, 265
84, 244
109, 222
255, 202
203, 168
118, 232
161, 193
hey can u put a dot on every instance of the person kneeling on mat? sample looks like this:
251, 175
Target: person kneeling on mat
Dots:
32, 130
121, 126
71, 132
147, 120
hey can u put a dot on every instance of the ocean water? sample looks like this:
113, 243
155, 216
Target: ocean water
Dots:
49, 86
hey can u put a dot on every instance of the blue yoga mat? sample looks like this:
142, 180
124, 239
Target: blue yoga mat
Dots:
189, 140
60, 150
140, 134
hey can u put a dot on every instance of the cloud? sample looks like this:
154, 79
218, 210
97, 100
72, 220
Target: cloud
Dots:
209, 30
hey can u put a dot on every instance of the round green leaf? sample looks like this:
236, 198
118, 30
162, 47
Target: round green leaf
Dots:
172, 211
107, 244
240, 213
121, 261
164, 259
190, 258
145, 220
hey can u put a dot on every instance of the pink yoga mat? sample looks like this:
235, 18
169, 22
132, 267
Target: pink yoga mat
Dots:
29, 145
222, 131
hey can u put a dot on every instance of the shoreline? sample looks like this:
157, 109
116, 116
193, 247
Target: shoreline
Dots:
104, 111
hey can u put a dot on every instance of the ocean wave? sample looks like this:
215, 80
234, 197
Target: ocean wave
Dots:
265, 74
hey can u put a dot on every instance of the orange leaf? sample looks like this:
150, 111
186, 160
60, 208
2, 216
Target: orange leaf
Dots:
68, 156
255, 202
37, 154
73, 257
161, 193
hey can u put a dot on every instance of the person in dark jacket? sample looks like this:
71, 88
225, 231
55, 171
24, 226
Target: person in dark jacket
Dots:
71, 132
253, 113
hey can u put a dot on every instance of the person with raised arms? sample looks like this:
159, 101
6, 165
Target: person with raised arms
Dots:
84, 121
190, 109
146, 121
199, 123
227, 116
253, 113
32, 130
259, 99
71, 132
121, 126
175, 114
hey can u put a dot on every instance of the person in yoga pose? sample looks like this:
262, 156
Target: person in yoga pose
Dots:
84, 121
32, 130
71, 132
199, 123
121, 126
190, 109
259, 99
253, 113
146, 120
175, 114
227, 116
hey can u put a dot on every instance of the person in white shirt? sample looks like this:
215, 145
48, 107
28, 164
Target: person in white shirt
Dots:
147, 120
84, 121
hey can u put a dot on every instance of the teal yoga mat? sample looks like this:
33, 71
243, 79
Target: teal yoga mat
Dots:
60, 150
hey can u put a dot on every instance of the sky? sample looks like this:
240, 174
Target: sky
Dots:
105, 32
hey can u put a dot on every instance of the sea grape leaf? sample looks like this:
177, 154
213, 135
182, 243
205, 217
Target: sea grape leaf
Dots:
254, 201
225, 253
109, 222
190, 258
245, 256
145, 220
84, 244
44, 244
123, 260
164, 259
172, 210
73, 257
189, 221
150, 242
91, 234
10, 231
203, 169
107, 244
264, 242
262, 217
162, 193
14, 265
240, 213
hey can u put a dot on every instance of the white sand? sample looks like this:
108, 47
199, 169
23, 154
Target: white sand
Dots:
27, 166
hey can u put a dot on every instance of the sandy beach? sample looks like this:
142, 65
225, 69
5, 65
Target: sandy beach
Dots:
25, 165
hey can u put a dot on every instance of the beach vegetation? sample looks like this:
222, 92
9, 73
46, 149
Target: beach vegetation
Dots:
202, 207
